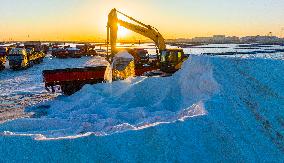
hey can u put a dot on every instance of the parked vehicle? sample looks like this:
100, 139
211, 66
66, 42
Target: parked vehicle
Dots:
74, 52
59, 53
22, 58
87, 50
72, 79
3, 54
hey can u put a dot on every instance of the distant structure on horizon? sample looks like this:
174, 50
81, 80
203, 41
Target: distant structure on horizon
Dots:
223, 39
262, 39
217, 39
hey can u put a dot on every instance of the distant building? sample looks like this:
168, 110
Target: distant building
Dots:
202, 39
223, 39
181, 40
219, 39
216, 39
262, 39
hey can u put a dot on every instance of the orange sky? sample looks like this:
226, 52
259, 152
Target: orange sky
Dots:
85, 20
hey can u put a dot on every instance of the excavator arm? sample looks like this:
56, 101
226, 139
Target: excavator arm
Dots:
140, 28
149, 33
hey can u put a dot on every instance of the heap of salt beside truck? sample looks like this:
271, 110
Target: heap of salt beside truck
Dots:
71, 80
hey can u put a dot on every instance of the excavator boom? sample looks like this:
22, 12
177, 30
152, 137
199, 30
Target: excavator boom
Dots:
150, 33
140, 28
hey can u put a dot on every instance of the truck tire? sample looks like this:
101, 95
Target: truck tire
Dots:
2, 67
70, 88
15, 68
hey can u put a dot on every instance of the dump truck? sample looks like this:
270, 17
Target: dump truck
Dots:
70, 80
87, 50
64, 52
25, 57
167, 62
59, 53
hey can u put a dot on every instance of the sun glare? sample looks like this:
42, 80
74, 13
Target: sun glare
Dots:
122, 32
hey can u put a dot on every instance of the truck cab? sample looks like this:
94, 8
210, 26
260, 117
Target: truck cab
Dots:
18, 58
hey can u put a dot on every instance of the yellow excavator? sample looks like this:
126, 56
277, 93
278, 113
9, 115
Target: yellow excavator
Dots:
169, 60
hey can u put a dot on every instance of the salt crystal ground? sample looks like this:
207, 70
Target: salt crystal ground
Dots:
235, 113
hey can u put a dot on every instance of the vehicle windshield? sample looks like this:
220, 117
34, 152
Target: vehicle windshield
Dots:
2, 52
163, 56
16, 52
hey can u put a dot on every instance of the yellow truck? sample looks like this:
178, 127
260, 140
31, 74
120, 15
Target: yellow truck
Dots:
3, 54
22, 58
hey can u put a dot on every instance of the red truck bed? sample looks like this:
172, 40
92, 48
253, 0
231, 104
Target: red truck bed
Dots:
73, 79
73, 74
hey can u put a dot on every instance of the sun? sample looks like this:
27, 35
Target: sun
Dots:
122, 32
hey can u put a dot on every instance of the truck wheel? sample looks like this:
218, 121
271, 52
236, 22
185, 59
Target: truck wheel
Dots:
2, 67
14, 68
70, 88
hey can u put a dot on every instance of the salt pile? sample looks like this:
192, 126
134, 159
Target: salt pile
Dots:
131, 104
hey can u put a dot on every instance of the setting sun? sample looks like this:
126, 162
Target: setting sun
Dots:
122, 32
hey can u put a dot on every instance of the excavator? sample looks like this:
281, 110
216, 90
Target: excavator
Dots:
168, 61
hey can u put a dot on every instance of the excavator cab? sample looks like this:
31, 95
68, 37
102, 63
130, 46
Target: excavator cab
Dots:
172, 59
